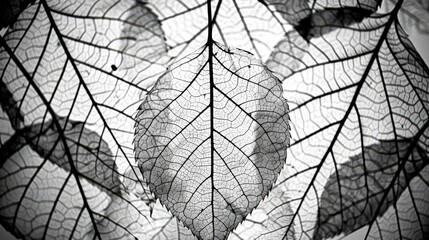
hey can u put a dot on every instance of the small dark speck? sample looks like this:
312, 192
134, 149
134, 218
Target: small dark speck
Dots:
248, 66
58, 43
202, 210
114, 68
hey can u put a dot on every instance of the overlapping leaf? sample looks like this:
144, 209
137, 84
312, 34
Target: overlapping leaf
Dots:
40, 200
408, 218
211, 138
303, 15
131, 218
353, 84
414, 13
133, 183
370, 5
73, 72
268, 220
354, 193
251, 25
349, 88
293, 11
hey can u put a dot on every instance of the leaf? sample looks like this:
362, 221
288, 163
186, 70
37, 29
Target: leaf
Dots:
211, 138
268, 220
128, 217
303, 15
91, 155
248, 24
6, 130
134, 183
75, 72
155, 221
293, 11
137, 215
409, 217
316, 25
10, 10
370, 5
414, 14
288, 55
350, 88
353, 194
40, 200
146, 45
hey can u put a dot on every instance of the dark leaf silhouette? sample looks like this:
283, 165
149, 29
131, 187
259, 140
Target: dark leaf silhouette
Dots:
316, 24
348, 88
91, 155
219, 117
293, 11
354, 192
409, 217
10, 11
370, 5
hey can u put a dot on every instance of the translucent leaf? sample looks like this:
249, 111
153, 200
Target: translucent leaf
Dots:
137, 215
301, 13
293, 11
73, 73
134, 183
84, 67
128, 217
80, 70
370, 5
268, 220
89, 152
6, 131
91, 155
409, 217
414, 14
164, 226
155, 221
354, 86
40, 200
325, 19
222, 120
353, 194
288, 55
249, 24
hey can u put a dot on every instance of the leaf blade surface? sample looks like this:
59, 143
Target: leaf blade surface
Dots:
212, 170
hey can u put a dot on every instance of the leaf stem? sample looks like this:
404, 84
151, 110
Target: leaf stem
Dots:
211, 104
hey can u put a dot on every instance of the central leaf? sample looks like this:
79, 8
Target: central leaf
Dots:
211, 142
